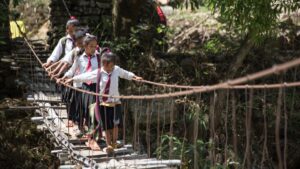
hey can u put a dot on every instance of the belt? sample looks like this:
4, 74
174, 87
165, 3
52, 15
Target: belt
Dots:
110, 104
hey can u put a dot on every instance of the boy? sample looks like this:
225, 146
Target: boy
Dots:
65, 44
110, 108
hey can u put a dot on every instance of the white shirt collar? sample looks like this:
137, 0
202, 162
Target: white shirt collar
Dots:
77, 48
69, 37
84, 54
102, 70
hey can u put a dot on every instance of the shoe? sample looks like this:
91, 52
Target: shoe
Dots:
117, 145
109, 149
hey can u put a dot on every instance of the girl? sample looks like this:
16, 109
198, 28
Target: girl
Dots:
87, 62
65, 44
72, 97
68, 60
110, 108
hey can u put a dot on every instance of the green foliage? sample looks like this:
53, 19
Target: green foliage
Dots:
213, 46
21, 144
16, 2
255, 17
192, 4
185, 151
199, 111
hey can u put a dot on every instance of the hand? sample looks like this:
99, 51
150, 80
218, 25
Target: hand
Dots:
59, 80
52, 77
50, 73
48, 69
138, 78
47, 64
55, 76
68, 81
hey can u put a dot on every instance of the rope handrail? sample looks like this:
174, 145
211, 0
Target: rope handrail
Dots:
255, 86
230, 84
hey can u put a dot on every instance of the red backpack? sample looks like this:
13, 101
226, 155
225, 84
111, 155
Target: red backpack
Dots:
162, 17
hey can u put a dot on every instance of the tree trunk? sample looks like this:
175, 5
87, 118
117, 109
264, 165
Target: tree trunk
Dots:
241, 55
4, 28
245, 48
125, 15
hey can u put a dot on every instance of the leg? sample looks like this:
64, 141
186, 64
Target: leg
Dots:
116, 123
109, 147
71, 108
108, 137
115, 134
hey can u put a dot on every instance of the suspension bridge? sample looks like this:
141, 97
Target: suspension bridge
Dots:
149, 118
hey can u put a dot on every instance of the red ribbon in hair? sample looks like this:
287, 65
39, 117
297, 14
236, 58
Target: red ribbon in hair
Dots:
72, 17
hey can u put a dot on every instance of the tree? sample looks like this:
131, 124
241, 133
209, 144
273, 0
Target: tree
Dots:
4, 24
125, 15
253, 20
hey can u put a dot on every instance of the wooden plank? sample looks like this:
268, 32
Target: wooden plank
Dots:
154, 162
122, 157
45, 101
94, 154
35, 107
140, 163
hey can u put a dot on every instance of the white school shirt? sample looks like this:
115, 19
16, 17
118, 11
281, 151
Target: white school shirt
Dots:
79, 66
114, 81
68, 58
58, 50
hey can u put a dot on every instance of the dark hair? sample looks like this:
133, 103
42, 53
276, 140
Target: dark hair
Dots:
72, 21
108, 57
79, 34
88, 38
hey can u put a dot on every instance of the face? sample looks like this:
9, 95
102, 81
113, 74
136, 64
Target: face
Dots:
71, 30
90, 48
108, 66
79, 42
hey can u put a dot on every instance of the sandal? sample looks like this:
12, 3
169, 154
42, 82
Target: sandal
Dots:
93, 145
117, 145
109, 150
70, 123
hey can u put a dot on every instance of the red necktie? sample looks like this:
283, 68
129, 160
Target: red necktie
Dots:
106, 90
89, 68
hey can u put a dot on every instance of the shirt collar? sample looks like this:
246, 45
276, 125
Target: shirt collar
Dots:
69, 37
77, 48
85, 55
102, 70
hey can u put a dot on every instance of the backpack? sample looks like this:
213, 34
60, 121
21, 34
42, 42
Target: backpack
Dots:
76, 53
63, 41
162, 17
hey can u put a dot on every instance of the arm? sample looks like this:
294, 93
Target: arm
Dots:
56, 53
63, 68
52, 66
68, 57
72, 70
85, 77
128, 75
57, 68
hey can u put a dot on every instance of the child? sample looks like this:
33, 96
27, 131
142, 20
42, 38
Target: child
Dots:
65, 44
73, 103
110, 108
68, 60
87, 62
